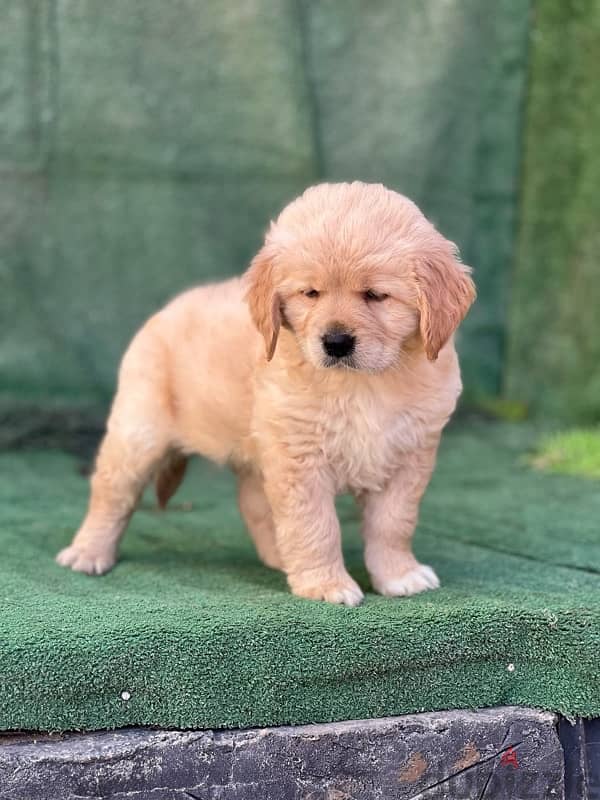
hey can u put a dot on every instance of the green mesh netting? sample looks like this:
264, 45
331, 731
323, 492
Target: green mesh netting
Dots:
554, 353
144, 146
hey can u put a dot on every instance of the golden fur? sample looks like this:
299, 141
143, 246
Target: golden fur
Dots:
237, 371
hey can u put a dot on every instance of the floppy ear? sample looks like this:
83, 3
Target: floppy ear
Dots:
445, 292
263, 300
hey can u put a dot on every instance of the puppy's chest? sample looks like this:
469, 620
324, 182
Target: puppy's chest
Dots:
365, 443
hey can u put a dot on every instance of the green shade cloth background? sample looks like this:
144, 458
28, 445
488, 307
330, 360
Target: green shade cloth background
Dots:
202, 635
145, 145
554, 324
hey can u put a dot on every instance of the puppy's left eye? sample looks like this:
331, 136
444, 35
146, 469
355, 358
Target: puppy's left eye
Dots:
374, 297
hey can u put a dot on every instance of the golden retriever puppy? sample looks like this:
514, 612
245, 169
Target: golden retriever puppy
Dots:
328, 367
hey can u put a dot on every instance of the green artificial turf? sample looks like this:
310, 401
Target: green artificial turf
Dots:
200, 634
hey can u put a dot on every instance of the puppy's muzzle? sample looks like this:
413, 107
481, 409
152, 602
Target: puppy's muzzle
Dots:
338, 344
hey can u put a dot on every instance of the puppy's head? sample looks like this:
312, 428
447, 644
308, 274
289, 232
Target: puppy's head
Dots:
357, 274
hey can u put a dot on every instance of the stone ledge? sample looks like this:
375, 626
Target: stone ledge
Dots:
493, 754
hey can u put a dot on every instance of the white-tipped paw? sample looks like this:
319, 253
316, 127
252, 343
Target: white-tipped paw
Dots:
343, 594
344, 591
88, 561
415, 580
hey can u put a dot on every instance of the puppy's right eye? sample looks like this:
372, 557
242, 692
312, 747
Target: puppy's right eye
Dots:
310, 293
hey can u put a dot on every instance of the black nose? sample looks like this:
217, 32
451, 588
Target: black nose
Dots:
338, 345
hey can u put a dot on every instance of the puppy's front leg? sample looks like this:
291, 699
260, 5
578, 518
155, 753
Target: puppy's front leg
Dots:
389, 520
256, 511
302, 501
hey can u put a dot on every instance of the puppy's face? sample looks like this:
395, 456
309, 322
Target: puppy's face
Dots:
357, 274
348, 316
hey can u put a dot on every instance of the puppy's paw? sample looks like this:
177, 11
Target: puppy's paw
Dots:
419, 578
88, 561
342, 591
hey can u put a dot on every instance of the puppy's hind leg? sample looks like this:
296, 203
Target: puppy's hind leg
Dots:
256, 511
124, 466
139, 434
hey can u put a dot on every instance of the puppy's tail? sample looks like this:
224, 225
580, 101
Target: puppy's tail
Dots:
169, 476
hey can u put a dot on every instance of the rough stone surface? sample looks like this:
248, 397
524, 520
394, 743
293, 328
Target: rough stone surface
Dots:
493, 754
580, 740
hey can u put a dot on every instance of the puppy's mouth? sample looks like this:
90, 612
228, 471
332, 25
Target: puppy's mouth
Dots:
345, 362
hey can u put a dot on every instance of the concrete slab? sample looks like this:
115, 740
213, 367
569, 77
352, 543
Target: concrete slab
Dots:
493, 754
